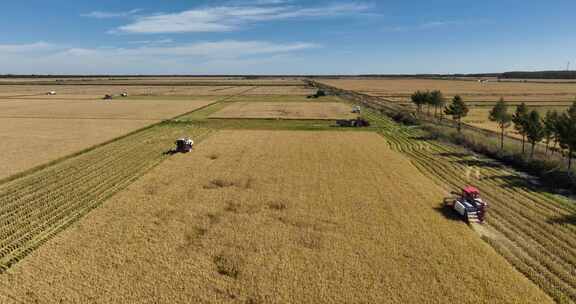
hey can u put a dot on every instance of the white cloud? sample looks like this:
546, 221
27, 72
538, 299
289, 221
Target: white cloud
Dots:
107, 15
217, 49
229, 18
157, 41
434, 25
202, 57
30, 47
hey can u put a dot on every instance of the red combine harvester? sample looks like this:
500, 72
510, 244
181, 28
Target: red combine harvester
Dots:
469, 205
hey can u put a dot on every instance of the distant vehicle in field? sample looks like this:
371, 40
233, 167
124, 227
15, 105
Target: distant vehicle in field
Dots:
51, 93
356, 109
353, 123
469, 205
318, 94
124, 94
108, 97
184, 145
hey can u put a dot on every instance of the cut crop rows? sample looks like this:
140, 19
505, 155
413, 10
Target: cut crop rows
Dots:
36, 207
534, 233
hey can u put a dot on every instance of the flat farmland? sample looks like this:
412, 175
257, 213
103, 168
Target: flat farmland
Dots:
400, 89
35, 132
286, 110
148, 109
479, 117
282, 90
92, 92
158, 81
342, 218
27, 143
528, 225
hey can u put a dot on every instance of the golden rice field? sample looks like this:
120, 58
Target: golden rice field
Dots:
287, 110
282, 90
254, 217
331, 216
400, 89
127, 109
39, 205
94, 92
479, 117
533, 229
157, 81
35, 132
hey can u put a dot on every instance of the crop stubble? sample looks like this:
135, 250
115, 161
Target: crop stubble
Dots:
287, 110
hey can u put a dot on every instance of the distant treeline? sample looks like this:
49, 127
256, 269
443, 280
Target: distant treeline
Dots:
540, 75
506, 75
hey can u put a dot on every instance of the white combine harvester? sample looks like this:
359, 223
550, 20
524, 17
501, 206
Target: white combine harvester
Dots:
469, 205
51, 93
184, 145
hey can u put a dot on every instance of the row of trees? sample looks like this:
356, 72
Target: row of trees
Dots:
431, 99
555, 129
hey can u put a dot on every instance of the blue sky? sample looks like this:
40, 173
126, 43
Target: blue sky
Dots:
285, 37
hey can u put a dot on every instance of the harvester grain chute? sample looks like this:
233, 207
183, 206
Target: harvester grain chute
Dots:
468, 204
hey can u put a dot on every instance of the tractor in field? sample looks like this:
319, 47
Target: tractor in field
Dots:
51, 93
108, 97
353, 123
318, 94
184, 145
356, 109
468, 204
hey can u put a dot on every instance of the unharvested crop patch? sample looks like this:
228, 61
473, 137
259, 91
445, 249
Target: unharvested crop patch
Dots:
29, 142
339, 218
288, 110
33, 133
479, 117
156, 109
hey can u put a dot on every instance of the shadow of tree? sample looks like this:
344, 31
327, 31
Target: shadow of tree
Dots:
512, 181
568, 219
453, 154
477, 163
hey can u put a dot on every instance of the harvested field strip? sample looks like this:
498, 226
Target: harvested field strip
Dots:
528, 221
288, 110
36, 207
